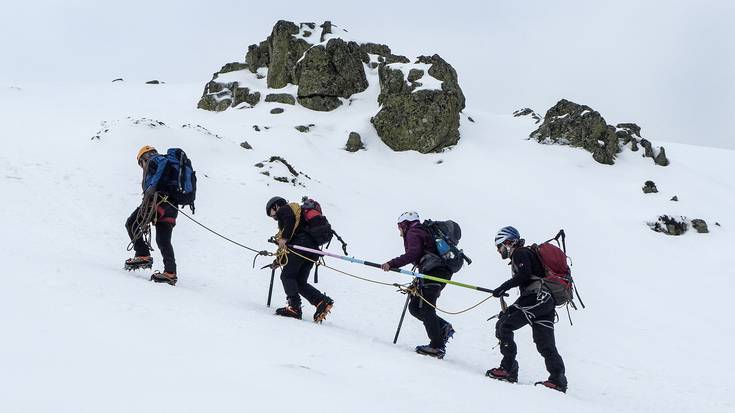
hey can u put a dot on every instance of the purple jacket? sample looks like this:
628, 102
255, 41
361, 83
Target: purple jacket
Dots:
417, 241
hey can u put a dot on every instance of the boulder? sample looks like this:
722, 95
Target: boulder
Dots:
384, 53
220, 96
527, 112
276, 111
661, 158
700, 226
258, 56
284, 50
569, 123
424, 120
354, 142
153, 82
119, 79
232, 67
329, 72
649, 187
675, 198
285, 98
245, 145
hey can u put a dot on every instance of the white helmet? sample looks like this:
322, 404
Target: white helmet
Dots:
409, 216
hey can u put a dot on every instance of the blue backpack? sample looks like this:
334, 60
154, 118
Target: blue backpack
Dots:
175, 175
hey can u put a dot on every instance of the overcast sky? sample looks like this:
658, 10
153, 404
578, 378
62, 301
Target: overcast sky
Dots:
667, 65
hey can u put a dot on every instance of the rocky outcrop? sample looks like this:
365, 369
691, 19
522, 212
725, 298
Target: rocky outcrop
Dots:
384, 53
327, 73
527, 112
354, 142
284, 50
220, 96
569, 123
670, 225
422, 113
285, 98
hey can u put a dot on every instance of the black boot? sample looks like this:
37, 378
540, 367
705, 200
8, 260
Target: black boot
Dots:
447, 332
499, 373
554, 386
137, 263
323, 309
428, 350
289, 311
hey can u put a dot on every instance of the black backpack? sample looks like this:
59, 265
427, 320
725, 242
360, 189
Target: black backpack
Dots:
314, 222
446, 236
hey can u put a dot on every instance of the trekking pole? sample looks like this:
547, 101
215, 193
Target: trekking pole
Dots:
400, 322
270, 289
398, 270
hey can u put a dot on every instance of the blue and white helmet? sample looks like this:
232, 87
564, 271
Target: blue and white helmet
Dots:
505, 234
408, 217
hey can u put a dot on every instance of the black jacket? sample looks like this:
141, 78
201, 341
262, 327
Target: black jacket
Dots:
286, 223
527, 269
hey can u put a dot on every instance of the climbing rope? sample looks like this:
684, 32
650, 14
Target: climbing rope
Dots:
144, 218
281, 259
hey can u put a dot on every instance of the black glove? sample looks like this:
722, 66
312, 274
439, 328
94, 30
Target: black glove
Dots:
498, 292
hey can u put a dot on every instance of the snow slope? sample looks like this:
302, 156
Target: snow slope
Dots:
82, 335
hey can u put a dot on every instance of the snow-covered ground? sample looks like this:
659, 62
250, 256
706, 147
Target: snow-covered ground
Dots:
82, 335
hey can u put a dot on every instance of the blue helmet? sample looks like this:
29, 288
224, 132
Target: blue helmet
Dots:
505, 234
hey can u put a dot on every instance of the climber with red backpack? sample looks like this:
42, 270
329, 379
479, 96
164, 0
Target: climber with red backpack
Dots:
541, 289
302, 225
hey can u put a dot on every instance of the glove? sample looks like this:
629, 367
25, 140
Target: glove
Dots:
498, 292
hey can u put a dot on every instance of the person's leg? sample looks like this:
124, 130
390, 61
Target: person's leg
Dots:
306, 290
543, 336
511, 320
427, 313
164, 229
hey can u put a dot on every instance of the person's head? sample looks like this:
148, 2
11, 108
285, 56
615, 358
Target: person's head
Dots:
272, 206
405, 220
144, 154
506, 240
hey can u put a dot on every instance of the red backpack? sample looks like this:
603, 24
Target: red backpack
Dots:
558, 276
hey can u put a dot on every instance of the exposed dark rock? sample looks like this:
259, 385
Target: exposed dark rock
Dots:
307, 33
284, 50
304, 128
675, 198
423, 120
527, 112
649, 187
373, 65
661, 158
384, 53
327, 73
220, 96
469, 118
669, 225
285, 98
718, 224
119, 79
568, 123
233, 67
257, 56
245, 145
326, 29
354, 142
414, 75
632, 127
256, 128
276, 111
700, 225
153, 82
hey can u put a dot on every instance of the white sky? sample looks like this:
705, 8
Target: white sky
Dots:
667, 65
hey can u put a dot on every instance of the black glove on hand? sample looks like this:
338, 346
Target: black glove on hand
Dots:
498, 292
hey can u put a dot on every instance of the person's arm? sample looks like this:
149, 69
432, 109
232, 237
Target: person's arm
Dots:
522, 261
154, 172
286, 222
414, 250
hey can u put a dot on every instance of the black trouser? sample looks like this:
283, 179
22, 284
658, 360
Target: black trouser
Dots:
166, 220
538, 311
295, 276
431, 291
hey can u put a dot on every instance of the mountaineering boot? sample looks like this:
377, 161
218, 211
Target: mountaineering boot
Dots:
137, 263
164, 277
290, 311
427, 350
447, 332
499, 373
550, 384
323, 309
